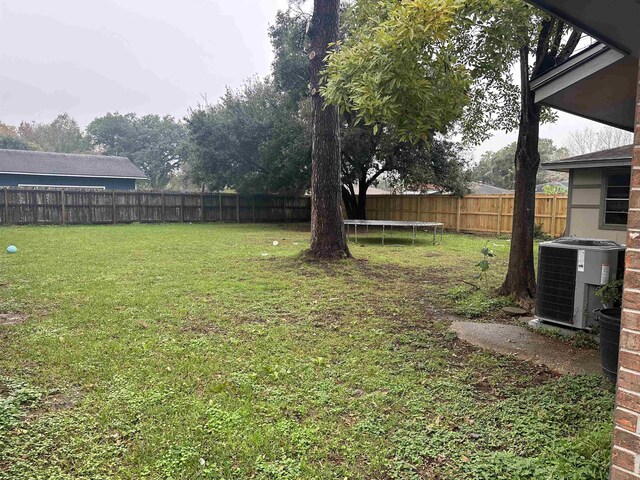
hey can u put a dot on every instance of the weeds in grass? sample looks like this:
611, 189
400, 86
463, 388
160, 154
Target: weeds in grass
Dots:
16, 398
474, 303
485, 264
575, 339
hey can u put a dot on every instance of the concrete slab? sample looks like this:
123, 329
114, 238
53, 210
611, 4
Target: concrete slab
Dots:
529, 346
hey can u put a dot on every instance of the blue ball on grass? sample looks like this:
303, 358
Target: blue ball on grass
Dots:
12, 249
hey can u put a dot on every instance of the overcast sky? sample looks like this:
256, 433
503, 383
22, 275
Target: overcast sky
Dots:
90, 57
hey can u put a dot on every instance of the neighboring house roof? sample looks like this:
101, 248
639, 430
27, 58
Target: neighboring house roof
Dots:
614, 157
478, 188
16, 162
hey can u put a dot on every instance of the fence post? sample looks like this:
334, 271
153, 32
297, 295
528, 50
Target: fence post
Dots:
554, 206
162, 207
202, 207
34, 206
62, 209
253, 208
284, 209
419, 207
90, 207
220, 205
238, 207
458, 214
7, 219
114, 210
499, 214
139, 209
182, 207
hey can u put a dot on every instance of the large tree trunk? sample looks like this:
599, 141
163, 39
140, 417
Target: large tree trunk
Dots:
520, 280
328, 238
355, 204
350, 201
361, 211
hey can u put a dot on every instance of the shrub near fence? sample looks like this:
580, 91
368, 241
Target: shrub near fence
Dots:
19, 206
472, 213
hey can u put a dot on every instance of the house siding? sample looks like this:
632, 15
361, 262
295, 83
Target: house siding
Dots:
584, 218
10, 180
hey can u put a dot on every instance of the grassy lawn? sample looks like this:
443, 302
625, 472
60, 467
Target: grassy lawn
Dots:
204, 351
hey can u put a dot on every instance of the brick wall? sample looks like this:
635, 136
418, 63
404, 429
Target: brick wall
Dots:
626, 436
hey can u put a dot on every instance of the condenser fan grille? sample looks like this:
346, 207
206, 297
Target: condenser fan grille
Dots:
556, 284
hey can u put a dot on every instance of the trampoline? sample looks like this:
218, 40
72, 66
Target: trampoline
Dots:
436, 226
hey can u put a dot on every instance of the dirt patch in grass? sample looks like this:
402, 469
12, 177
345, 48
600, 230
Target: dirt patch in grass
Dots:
431, 467
13, 318
202, 326
55, 402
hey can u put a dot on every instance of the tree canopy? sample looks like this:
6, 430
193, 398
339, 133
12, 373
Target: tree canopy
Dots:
498, 169
253, 140
429, 65
10, 139
369, 152
155, 144
396, 67
62, 135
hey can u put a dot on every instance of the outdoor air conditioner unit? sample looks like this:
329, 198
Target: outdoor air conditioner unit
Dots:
570, 270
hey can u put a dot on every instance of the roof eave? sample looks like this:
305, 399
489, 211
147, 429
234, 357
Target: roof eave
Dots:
561, 166
76, 175
614, 26
596, 50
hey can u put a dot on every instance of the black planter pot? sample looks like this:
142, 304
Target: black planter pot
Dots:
609, 320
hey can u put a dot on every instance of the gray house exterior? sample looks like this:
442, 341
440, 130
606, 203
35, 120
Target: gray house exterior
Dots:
21, 168
599, 189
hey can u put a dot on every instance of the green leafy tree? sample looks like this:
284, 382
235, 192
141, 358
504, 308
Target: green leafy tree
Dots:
62, 135
13, 143
432, 65
442, 164
497, 168
396, 67
541, 42
555, 190
254, 140
368, 153
115, 134
155, 144
10, 140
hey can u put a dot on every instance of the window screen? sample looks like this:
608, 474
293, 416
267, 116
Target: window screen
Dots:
616, 202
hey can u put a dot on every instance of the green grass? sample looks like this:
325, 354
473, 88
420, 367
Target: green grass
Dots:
206, 352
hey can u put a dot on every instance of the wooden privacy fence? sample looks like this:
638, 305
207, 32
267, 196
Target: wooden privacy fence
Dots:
19, 206
472, 213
